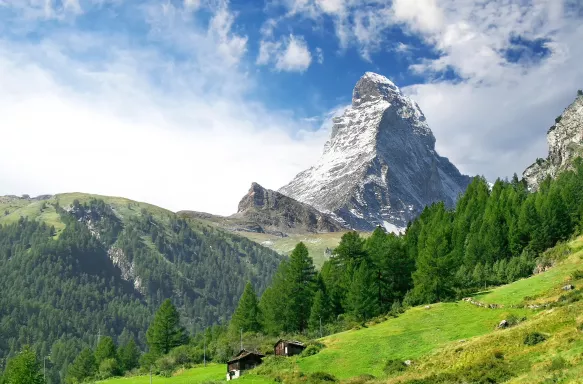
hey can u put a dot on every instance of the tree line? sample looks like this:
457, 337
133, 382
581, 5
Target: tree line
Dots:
495, 234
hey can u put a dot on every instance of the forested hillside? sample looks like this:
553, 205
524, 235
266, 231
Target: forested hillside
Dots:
493, 236
98, 268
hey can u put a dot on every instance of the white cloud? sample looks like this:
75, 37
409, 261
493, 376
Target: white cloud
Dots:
290, 54
494, 120
192, 4
183, 134
319, 55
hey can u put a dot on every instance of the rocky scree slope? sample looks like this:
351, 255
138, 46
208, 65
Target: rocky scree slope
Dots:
565, 140
262, 210
379, 166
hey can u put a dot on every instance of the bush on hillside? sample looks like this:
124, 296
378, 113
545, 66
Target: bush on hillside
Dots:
557, 364
576, 275
394, 366
485, 372
109, 368
580, 92
165, 366
312, 349
534, 338
362, 379
321, 377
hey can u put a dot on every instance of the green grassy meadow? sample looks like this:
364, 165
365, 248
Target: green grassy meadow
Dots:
198, 375
446, 339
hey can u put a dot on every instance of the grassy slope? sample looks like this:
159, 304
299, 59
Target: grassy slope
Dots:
411, 335
449, 337
198, 375
316, 243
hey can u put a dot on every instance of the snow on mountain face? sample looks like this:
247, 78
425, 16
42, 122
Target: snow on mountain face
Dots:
565, 140
379, 166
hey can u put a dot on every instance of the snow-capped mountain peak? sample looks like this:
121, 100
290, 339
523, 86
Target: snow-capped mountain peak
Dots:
379, 166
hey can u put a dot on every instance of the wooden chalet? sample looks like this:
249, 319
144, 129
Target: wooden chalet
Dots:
241, 362
288, 347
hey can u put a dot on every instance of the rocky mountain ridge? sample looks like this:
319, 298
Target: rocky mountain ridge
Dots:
263, 210
379, 166
565, 140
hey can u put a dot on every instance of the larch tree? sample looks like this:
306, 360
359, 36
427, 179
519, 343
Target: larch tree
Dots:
247, 316
165, 332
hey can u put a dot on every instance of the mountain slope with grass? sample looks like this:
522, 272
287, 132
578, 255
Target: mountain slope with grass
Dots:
455, 342
74, 267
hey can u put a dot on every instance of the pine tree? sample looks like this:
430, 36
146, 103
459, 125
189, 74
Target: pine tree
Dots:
83, 367
24, 368
300, 279
105, 350
362, 300
129, 355
165, 332
247, 315
434, 277
319, 314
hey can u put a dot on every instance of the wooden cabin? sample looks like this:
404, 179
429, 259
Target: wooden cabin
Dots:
288, 347
241, 362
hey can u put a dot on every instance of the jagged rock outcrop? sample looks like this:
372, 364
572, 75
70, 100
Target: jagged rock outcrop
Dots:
379, 166
565, 140
275, 211
262, 210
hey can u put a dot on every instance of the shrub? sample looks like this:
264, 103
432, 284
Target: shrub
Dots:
321, 377
534, 338
166, 366
394, 366
558, 119
580, 92
498, 354
576, 275
362, 379
557, 364
311, 350
109, 368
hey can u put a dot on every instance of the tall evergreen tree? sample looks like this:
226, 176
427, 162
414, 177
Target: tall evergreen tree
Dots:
129, 355
83, 367
24, 368
362, 300
165, 332
247, 315
300, 279
319, 313
434, 277
106, 349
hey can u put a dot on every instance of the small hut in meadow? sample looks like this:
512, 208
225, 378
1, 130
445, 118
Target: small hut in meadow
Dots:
241, 362
288, 347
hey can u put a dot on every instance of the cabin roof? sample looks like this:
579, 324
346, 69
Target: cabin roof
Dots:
243, 354
294, 342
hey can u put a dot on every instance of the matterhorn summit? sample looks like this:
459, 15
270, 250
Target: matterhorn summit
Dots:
379, 166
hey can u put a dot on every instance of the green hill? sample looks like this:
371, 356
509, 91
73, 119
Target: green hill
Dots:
457, 342
75, 266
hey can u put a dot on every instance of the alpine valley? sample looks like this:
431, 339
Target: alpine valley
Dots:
76, 267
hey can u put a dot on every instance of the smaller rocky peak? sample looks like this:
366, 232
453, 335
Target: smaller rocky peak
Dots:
257, 197
372, 87
565, 140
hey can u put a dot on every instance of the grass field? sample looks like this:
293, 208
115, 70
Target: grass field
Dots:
448, 339
317, 243
198, 375
538, 285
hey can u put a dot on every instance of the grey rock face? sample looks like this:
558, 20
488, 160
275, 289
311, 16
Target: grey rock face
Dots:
272, 210
565, 140
379, 166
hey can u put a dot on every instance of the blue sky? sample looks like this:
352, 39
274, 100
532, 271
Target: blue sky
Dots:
184, 103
